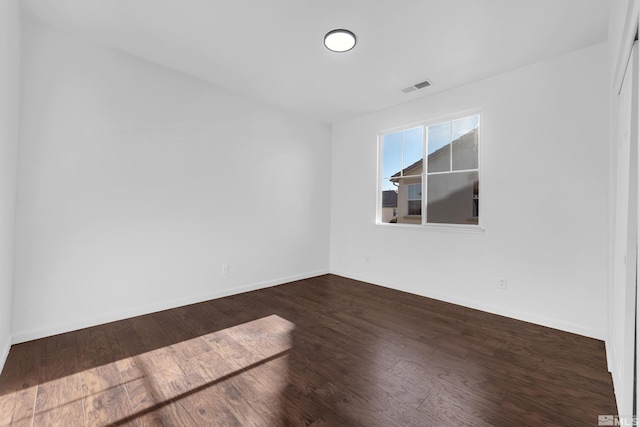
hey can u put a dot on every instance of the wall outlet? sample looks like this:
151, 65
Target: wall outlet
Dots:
225, 268
366, 260
502, 283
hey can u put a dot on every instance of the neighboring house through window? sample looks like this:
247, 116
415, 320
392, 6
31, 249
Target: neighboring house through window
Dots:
450, 175
389, 206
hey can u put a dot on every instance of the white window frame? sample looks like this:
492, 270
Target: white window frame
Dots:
472, 228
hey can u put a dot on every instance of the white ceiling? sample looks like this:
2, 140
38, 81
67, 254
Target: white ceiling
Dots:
273, 49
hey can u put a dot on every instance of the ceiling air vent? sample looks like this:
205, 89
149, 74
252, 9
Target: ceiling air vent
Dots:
417, 86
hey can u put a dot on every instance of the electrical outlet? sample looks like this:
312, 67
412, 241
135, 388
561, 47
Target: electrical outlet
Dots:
366, 260
225, 268
502, 283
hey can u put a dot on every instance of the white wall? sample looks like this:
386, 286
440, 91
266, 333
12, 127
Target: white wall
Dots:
137, 183
9, 107
622, 19
620, 338
543, 192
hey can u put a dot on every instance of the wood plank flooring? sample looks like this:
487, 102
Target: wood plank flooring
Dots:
326, 351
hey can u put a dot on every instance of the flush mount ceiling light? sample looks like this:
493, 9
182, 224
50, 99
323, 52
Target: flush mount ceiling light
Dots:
340, 40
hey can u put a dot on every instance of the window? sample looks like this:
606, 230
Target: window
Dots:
414, 199
450, 173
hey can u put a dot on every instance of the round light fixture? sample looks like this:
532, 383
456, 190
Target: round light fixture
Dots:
340, 40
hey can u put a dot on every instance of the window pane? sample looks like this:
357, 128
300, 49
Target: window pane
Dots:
415, 207
389, 205
465, 144
453, 198
409, 201
391, 154
415, 192
412, 151
439, 149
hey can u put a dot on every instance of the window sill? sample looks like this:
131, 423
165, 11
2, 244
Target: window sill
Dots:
456, 228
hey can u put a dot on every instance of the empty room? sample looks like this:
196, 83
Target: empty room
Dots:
337, 213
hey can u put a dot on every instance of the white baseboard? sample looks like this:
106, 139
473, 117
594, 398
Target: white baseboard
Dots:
24, 336
4, 352
500, 311
610, 352
34, 334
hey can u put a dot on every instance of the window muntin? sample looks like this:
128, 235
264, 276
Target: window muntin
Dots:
451, 178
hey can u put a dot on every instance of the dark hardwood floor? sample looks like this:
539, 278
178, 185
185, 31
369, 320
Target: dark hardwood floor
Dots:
326, 351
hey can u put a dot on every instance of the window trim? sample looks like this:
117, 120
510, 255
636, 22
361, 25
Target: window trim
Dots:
424, 225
